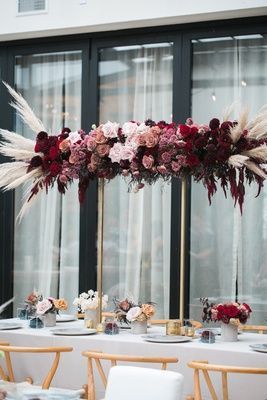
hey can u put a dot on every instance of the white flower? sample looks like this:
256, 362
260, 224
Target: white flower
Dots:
133, 313
129, 128
84, 295
76, 301
74, 137
110, 129
89, 301
115, 153
142, 128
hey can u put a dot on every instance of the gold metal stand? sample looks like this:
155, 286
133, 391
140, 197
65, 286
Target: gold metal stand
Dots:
182, 246
100, 247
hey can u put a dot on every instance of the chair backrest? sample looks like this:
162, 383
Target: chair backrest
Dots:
134, 383
114, 358
205, 367
194, 323
253, 328
16, 349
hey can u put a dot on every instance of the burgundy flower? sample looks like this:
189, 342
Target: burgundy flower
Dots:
214, 123
36, 162
226, 125
55, 168
42, 135
192, 160
53, 152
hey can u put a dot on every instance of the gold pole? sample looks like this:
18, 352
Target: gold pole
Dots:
182, 246
100, 229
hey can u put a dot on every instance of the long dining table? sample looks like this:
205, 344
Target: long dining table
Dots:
73, 366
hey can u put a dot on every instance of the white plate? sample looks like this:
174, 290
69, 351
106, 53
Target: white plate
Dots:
261, 347
66, 317
8, 325
166, 338
72, 331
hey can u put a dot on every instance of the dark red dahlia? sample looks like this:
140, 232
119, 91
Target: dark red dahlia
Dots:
55, 168
214, 123
192, 160
42, 135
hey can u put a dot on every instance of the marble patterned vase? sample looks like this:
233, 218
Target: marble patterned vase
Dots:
50, 319
139, 327
229, 332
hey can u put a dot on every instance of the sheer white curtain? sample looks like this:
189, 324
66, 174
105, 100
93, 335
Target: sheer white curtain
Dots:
137, 225
46, 252
228, 251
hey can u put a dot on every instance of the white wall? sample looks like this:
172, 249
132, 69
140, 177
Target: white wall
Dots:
69, 16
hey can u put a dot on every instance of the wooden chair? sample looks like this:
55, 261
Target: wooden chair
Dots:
2, 372
205, 367
195, 324
114, 358
39, 350
253, 328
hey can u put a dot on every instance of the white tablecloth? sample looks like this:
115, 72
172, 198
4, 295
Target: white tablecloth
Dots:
72, 367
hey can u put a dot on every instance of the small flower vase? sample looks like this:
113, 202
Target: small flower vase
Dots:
139, 327
50, 319
90, 318
229, 332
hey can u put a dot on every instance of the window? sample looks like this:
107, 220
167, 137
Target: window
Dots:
136, 84
228, 252
46, 243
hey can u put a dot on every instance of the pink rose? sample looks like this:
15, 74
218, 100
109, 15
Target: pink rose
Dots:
162, 169
176, 166
90, 140
127, 153
152, 139
166, 157
140, 140
43, 306
148, 162
110, 129
102, 150
100, 138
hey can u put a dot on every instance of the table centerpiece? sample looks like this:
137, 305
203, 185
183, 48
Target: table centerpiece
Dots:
229, 314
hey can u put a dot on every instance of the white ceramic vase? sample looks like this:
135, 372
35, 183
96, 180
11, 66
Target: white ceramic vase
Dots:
50, 319
90, 318
229, 332
139, 327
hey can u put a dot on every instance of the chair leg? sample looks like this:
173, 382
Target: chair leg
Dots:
85, 395
189, 397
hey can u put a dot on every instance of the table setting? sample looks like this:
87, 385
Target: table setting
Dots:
172, 339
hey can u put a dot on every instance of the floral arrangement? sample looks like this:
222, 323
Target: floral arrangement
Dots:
229, 313
127, 311
30, 305
89, 301
226, 153
48, 305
